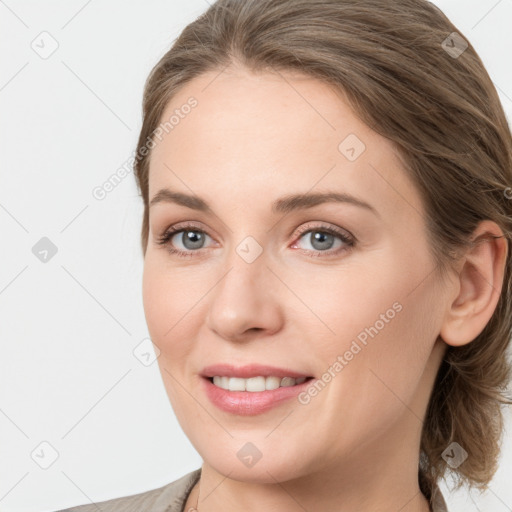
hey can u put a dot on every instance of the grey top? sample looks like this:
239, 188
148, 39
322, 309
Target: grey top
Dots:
172, 498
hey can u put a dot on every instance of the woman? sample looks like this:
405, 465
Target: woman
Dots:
327, 271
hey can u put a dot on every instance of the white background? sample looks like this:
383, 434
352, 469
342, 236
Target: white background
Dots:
68, 327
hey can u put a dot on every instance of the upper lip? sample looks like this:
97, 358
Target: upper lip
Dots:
248, 371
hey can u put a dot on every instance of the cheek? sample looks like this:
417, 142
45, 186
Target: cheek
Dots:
376, 317
167, 294
173, 300
344, 302
167, 311
164, 306
155, 299
389, 349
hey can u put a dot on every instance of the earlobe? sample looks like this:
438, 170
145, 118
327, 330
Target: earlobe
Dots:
477, 286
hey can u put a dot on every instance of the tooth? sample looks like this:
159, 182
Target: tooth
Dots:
255, 384
272, 383
236, 384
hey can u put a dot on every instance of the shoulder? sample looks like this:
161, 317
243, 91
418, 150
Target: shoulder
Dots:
169, 498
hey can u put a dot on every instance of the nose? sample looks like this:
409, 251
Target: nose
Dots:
245, 303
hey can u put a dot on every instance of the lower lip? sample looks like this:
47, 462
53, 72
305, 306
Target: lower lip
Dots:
250, 403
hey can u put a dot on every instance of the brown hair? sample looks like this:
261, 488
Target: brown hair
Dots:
398, 66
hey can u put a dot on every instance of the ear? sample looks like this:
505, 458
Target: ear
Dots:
478, 285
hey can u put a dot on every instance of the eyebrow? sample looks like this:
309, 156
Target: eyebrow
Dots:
284, 204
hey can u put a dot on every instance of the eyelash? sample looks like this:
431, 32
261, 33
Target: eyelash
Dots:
349, 241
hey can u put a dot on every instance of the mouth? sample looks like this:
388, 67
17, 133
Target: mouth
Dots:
252, 389
254, 395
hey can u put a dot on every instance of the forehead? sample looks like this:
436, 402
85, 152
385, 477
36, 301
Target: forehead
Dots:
251, 135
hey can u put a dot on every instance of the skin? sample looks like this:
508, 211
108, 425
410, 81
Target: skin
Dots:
251, 139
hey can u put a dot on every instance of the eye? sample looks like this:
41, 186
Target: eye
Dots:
322, 238
189, 236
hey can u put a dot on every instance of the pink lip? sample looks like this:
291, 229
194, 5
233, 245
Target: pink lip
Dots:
248, 371
248, 403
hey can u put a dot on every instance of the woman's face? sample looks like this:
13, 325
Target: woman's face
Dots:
335, 290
